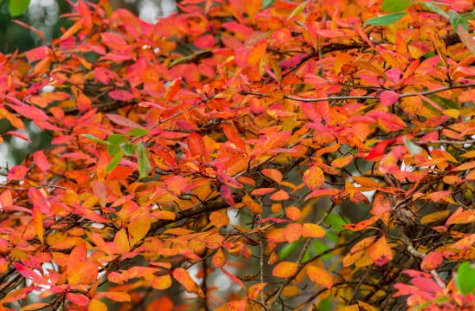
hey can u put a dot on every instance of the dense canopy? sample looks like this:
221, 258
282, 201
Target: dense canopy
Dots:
244, 155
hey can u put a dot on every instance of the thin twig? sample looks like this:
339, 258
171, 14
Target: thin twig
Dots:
363, 97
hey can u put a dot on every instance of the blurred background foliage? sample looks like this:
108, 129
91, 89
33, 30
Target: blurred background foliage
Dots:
45, 15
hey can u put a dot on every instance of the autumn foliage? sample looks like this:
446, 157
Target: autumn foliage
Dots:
307, 154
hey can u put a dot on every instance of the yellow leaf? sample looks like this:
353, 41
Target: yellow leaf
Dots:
320, 276
34, 306
349, 308
121, 241
138, 227
161, 282
313, 231
290, 291
366, 307
454, 113
432, 217
285, 269
469, 154
342, 161
96, 305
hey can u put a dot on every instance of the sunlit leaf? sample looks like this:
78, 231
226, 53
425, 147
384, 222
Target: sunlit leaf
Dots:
384, 20
285, 269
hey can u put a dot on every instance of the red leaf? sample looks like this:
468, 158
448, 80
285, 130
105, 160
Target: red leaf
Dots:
41, 161
196, 144
379, 150
29, 112
30, 274
172, 89
17, 172
79, 299
431, 261
121, 95
19, 135
388, 98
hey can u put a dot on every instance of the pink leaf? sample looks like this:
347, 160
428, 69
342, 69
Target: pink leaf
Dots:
388, 98
121, 95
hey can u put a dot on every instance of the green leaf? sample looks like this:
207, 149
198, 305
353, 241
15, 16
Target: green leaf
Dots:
413, 148
116, 139
298, 9
465, 278
143, 161
18, 7
138, 132
267, 3
456, 19
128, 148
113, 149
396, 5
97, 140
288, 249
114, 162
431, 6
385, 20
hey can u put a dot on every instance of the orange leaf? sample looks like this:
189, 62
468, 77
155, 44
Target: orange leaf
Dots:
172, 89
138, 227
219, 259
465, 166
380, 252
37, 220
83, 273
184, 278
257, 52
96, 305
219, 219
431, 261
361, 225
254, 290
320, 276
381, 204
280, 195
314, 178
342, 161
196, 144
293, 232
285, 269
313, 231
273, 174
293, 213
121, 241
161, 282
